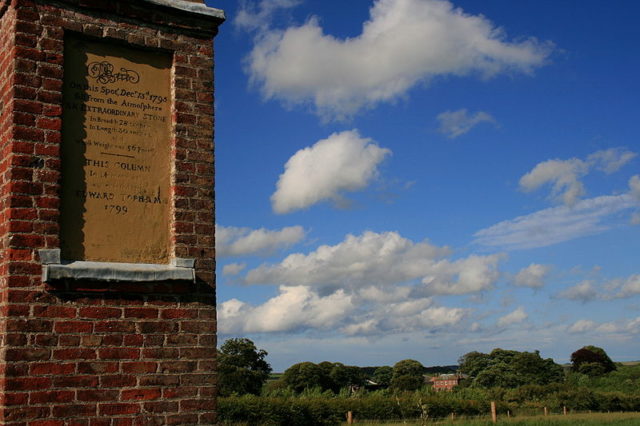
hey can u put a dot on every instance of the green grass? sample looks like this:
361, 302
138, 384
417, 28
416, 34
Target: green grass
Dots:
626, 419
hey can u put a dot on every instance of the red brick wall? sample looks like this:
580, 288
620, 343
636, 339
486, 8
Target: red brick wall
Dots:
91, 353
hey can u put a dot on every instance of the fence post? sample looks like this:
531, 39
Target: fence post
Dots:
546, 411
564, 410
494, 415
453, 416
350, 417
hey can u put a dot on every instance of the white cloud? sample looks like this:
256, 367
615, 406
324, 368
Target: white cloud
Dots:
583, 292
404, 43
257, 16
457, 123
628, 287
555, 225
396, 318
514, 317
469, 275
532, 276
633, 325
582, 326
385, 259
618, 288
343, 162
564, 175
233, 268
358, 261
296, 307
300, 308
611, 160
634, 186
234, 241
623, 328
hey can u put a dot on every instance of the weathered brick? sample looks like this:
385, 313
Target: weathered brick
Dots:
51, 368
141, 313
141, 394
51, 396
116, 409
90, 353
118, 353
76, 381
100, 312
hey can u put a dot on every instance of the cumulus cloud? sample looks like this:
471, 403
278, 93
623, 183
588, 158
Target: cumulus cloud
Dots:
556, 224
611, 160
457, 123
358, 261
469, 275
584, 291
234, 241
618, 288
532, 276
634, 186
517, 316
300, 308
233, 268
582, 326
627, 287
296, 307
257, 16
344, 161
430, 319
622, 327
404, 43
382, 260
564, 175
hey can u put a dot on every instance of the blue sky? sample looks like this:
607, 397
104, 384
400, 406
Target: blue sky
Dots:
422, 178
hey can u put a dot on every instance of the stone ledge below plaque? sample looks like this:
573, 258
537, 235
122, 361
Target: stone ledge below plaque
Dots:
53, 268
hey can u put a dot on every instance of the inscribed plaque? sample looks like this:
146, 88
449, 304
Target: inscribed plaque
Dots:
116, 152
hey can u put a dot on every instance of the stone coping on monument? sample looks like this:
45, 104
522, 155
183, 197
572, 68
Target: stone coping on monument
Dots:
53, 268
188, 6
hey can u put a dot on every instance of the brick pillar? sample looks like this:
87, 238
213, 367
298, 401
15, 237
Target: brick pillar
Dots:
95, 351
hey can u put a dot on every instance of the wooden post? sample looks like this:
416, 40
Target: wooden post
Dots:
494, 415
564, 410
546, 411
453, 416
350, 417
509, 413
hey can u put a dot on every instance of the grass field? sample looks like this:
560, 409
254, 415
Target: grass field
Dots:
593, 419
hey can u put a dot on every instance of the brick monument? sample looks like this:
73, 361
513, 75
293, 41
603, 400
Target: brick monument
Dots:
107, 285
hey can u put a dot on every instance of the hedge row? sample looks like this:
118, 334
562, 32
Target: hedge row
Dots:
321, 411
313, 411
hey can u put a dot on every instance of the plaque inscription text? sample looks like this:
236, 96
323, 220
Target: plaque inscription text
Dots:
116, 153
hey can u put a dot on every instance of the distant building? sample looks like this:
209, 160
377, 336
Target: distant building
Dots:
446, 381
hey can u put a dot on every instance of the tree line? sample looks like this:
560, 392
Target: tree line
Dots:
243, 369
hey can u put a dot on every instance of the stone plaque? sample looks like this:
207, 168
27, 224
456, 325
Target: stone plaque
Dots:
116, 152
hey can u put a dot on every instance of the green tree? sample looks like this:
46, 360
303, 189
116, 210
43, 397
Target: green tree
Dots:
383, 376
343, 376
592, 361
407, 375
325, 375
473, 363
305, 375
242, 368
510, 369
